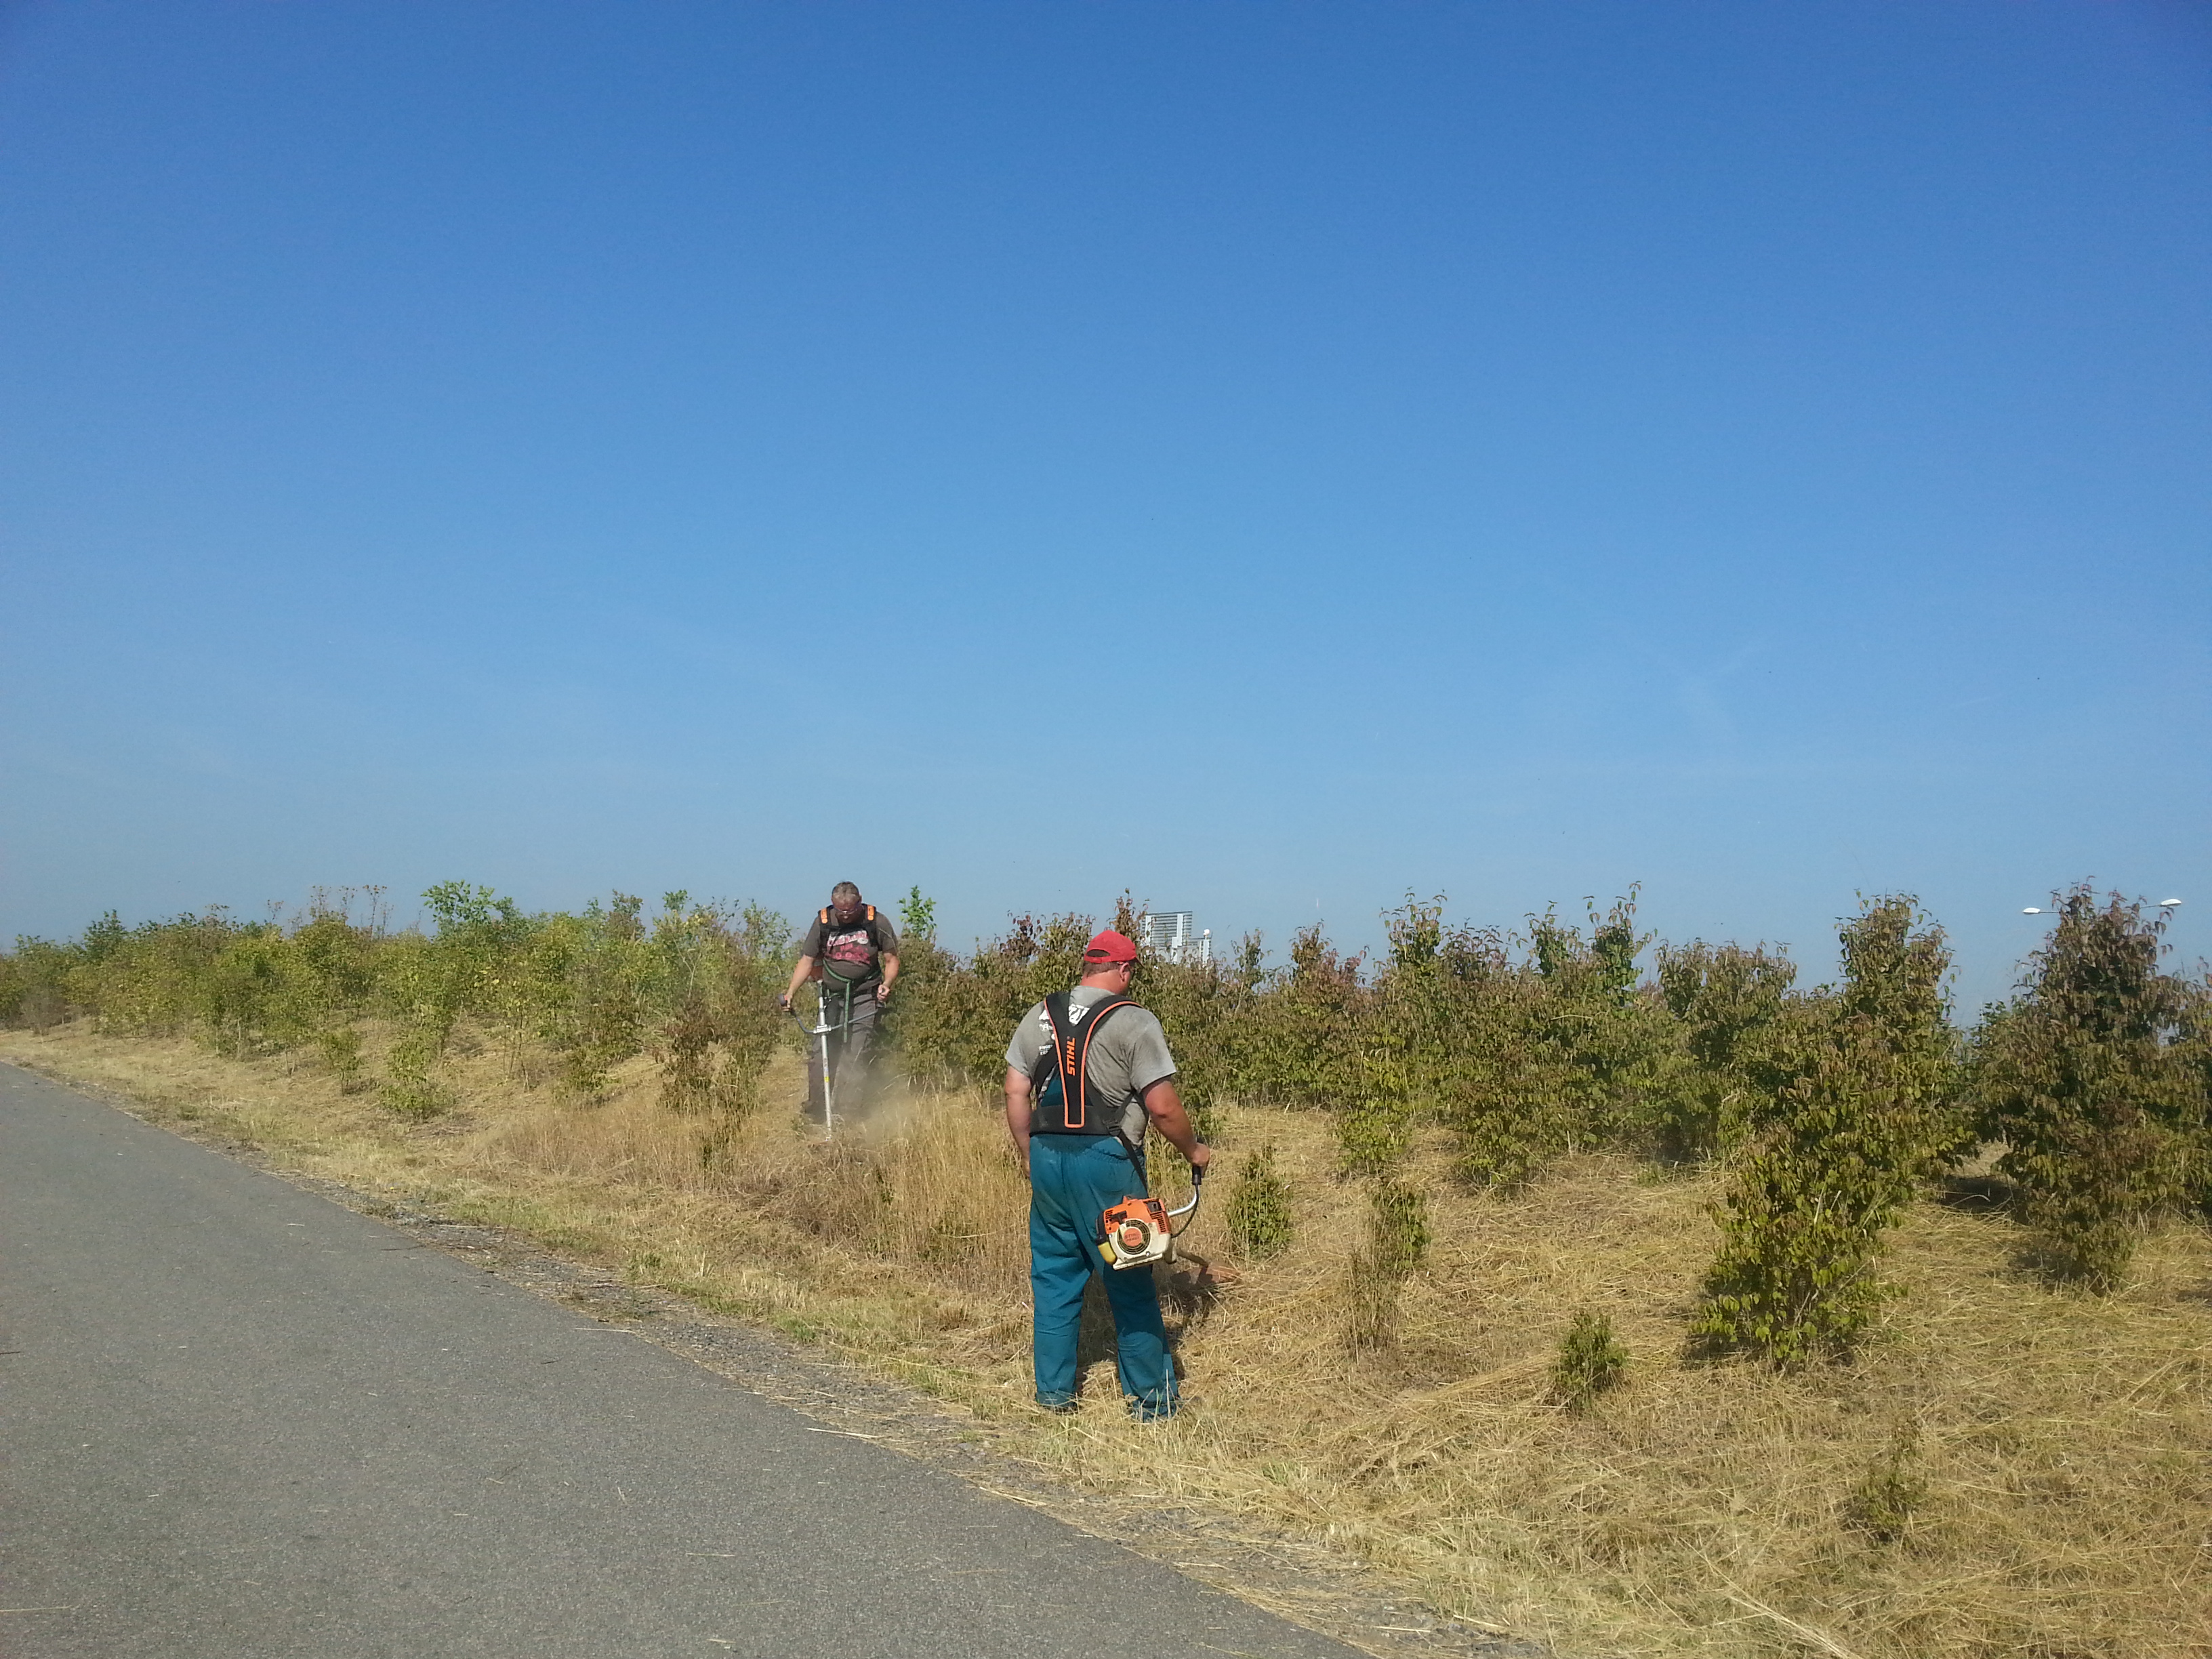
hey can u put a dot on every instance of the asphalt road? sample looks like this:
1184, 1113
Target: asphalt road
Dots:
238, 1420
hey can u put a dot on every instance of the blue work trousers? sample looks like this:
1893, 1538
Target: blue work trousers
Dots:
1073, 1179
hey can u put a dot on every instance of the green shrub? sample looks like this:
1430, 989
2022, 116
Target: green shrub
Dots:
917, 919
1398, 1226
410, 1092
247, 1000
340, 1048
1728, 1000
1397, 1240
593, 986
1803, 1216
1896, 966
950, 1017
1561, 1050
718, 974
1837, 1154
1302, 1042
154, 980
2094, 1077
1888, 1497
1520, 1090
1258, 1213
1591, 1360
1375, 1128
37, 989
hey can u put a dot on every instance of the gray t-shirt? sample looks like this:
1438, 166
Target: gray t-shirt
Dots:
1129, 1054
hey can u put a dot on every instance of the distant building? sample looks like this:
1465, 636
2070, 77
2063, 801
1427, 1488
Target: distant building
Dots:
1169, 935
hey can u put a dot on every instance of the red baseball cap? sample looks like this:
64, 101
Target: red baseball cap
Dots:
1107, 945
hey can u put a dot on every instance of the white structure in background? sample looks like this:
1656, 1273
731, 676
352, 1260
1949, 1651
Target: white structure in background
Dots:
1169, 935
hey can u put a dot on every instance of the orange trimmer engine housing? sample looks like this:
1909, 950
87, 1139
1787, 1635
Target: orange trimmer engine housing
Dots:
1135, 1232
1139, 1231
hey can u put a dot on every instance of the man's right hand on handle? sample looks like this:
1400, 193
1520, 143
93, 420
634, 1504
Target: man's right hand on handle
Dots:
799, 975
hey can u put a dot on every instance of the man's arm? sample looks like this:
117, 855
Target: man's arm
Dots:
1164, 1106
1017, 1116
890, 975
799, 975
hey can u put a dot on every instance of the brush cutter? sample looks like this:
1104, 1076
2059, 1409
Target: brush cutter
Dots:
820, 1032
1139, 1231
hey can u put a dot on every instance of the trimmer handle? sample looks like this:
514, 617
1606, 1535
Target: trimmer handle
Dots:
1197, 1184
822, 1028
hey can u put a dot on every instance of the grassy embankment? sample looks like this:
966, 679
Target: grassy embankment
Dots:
2004, 1468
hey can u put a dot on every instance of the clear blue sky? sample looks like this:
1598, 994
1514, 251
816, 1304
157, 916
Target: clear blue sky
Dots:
1268, 457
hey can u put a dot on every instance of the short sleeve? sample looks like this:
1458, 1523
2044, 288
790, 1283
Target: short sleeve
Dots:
1148, 1055
1027, 1043
886, 936
812, 946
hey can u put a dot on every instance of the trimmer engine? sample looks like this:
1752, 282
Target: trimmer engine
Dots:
1139, 1231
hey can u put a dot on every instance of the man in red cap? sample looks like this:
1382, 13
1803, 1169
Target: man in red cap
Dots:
1086, 1072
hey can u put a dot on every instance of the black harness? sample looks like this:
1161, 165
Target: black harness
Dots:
867, 923
1066, 1103
830, 976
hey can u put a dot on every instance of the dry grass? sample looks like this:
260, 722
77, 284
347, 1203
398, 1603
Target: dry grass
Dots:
2061, 1443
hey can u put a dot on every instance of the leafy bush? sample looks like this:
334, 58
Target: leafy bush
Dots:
717, 976
1258, 1214
1838, 1152
1562, 1049
917, 917
952, 1018
1397, 1240
2094, 1077
341, 1052
1728, 1000
1591, 1360
1304, 1041
1889, 1496
594, 986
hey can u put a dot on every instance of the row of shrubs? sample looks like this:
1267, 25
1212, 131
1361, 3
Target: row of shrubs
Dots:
696, 987
1830, 1108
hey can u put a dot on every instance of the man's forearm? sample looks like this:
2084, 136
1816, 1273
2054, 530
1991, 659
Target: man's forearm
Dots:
799, 975
890, 970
